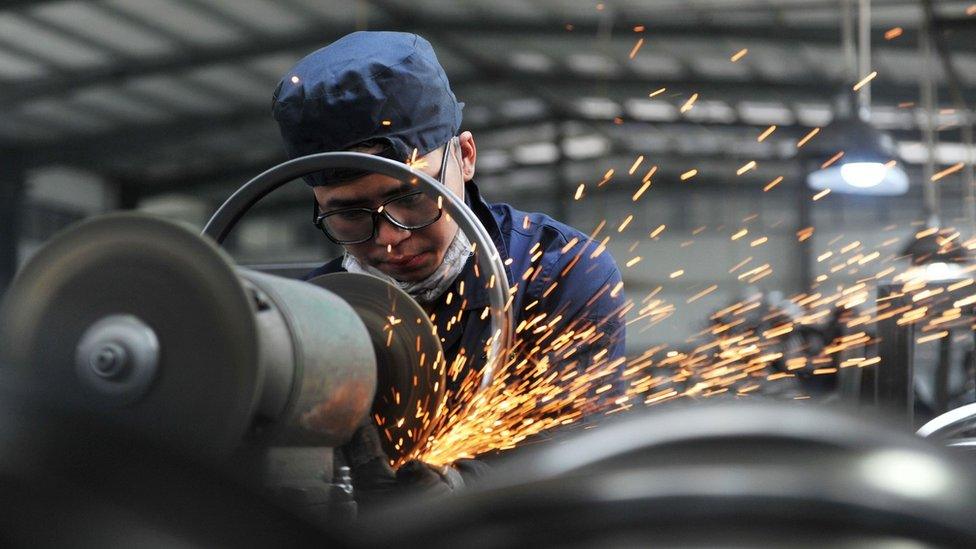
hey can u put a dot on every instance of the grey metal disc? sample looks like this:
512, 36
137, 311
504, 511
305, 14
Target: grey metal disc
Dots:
167, 283
409, 358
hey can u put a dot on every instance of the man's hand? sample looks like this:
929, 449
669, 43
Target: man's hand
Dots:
375, 482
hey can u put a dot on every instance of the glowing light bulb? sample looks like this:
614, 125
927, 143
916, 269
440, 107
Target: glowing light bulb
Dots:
863, 174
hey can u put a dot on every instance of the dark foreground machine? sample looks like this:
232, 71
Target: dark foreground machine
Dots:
150, 328
747, 474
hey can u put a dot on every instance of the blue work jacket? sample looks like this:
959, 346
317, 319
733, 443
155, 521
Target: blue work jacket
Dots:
587, 289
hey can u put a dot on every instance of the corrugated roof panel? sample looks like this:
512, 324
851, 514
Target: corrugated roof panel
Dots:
896, 14
531, 61
597, 107
442, 8
891, 65
571, 11
58, 114
180, 20
519, 9
825, 59
112, 99
887, 118
775, 61
712, 111
16, 67
527, 107
652, 110
966, 67
719, 67
592, 63
235, 81
811, 16
814, 114
48, 45
765, 112
171, 91
275, 65
19, 130
100, 26
262, 14
658, 64
356, 14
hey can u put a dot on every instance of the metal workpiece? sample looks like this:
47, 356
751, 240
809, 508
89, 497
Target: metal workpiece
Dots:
141, 321
411, 368
487, 257
331, 389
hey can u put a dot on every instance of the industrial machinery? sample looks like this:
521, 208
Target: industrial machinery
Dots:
155, 331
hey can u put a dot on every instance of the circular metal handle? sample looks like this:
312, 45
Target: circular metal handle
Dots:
234, 208
951, 423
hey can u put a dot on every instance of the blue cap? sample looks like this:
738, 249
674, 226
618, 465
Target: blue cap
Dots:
385, 86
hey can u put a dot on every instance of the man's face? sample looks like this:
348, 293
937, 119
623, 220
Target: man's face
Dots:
405, 255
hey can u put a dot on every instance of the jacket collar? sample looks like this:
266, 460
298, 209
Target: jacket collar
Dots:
476, 291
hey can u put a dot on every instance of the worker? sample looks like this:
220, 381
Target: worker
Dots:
385, 93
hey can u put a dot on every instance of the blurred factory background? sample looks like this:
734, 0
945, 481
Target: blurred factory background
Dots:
163, 106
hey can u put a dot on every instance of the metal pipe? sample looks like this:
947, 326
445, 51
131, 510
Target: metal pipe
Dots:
847, 40
927, 95
864, 57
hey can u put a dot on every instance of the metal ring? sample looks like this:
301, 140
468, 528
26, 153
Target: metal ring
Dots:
234, 208
951, 423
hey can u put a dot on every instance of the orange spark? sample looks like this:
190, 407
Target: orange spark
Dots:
766, 133
641, 190
864, 81
637, 47
750, 165
948, 171
831, 160
773, 183
637, 163
807, 137
893, 33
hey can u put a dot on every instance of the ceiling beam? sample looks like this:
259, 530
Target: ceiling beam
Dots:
68, 81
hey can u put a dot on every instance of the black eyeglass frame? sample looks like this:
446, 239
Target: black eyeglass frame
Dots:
318, 218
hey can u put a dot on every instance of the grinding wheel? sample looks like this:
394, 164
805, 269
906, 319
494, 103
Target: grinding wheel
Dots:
142, 320
410, 362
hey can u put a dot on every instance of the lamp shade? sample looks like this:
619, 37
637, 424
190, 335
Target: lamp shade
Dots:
869, 164
937, 255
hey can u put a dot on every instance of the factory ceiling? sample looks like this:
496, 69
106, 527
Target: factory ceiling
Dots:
164, 95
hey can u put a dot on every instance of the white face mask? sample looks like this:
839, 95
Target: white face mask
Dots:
429, 289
